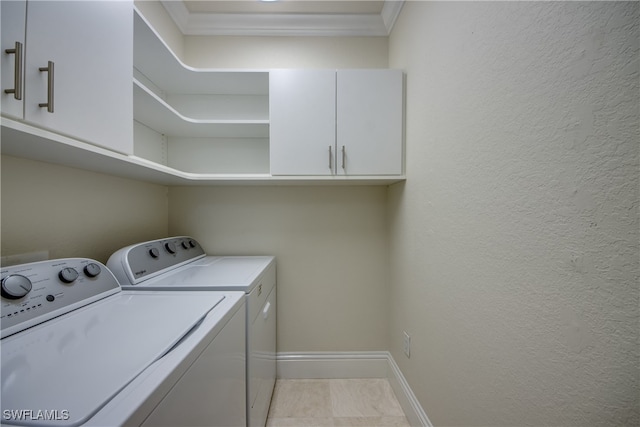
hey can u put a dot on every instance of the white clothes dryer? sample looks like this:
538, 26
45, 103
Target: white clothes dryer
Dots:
78, 350
180, 264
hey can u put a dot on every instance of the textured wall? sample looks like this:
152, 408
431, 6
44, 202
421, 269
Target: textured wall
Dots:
75, 213
331, 249
514, 242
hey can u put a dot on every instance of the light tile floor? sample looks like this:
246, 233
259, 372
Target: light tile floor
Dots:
336, 403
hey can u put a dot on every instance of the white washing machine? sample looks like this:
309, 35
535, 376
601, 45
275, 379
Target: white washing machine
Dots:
78, 350
180, 263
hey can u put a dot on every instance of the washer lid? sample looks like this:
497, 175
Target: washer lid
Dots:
62, 372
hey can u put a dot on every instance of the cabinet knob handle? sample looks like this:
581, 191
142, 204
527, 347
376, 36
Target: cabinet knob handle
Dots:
343, 156
330, 159
17, 70
49, 70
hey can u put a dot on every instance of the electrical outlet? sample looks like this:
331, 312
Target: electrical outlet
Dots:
406, 345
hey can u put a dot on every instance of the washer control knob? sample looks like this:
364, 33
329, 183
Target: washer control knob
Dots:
192, 243
185, 244
170, 247
154, 252
68, 275
92, 269
15, 286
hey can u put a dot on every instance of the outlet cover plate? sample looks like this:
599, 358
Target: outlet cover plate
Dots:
406, 345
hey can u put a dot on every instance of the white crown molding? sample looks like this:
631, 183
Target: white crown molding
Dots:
178, 12
390, 11
219, 24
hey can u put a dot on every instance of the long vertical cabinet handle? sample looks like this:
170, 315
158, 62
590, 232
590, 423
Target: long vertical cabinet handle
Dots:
343, 156
330, 159
17, 70
49, 103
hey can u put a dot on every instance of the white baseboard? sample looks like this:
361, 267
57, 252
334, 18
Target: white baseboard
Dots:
366, 364
410, 405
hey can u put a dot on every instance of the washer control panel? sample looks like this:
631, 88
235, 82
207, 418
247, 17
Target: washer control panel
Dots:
36, 292
148, 259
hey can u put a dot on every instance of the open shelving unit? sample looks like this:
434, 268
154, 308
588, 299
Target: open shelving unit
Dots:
191, 126
203, 121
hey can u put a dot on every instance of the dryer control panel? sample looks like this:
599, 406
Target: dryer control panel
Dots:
142, 261
36, 292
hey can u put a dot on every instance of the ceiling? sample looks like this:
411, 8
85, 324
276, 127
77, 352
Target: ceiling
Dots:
284, 17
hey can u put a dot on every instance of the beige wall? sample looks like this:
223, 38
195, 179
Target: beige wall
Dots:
330, 242
70, 212
514, 241
331, 249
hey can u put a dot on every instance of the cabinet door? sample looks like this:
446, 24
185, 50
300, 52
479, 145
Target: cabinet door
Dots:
302, 111
91, 46
13, 27
369, 122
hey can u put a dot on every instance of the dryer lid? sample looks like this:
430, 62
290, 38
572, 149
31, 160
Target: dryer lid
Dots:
233, 273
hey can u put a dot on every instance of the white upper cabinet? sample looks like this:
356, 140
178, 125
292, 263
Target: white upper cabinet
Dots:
302, 108
12, 39
78, 58
369, 122
90, 45
91, 84
344, 122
